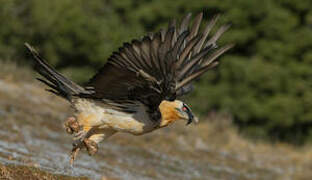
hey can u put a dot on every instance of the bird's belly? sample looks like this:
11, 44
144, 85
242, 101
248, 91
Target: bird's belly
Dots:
93, 115
129, 124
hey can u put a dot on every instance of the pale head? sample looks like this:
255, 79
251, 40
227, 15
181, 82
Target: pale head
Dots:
175, 110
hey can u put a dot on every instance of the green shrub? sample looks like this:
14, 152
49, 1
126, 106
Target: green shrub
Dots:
72, 33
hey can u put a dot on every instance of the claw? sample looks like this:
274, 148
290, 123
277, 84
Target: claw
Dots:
91, 146
79, 139
74, 154
71, 125
77, 145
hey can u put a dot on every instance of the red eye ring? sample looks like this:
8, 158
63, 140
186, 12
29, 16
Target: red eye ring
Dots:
184, 108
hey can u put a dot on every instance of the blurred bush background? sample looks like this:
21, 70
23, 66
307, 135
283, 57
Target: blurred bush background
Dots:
264, 83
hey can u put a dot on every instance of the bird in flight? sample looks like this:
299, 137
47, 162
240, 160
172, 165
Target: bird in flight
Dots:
136, 90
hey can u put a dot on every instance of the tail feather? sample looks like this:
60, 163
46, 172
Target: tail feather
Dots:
59, 84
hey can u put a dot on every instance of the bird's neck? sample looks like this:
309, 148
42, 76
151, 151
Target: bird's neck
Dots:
168, 113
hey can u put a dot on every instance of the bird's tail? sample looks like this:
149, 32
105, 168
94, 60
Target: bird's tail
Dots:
58, 84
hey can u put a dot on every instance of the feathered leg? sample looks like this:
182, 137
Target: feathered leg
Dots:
96, 137
86, 135
81, 127
92, 141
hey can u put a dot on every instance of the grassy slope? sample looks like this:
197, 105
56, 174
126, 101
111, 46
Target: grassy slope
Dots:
215, 141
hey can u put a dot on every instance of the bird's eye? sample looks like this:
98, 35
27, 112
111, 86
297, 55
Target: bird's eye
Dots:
184, 109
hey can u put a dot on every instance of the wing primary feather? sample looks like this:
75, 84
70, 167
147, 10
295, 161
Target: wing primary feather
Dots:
163, 49
147, 76
54, 92
166, 48
179, 43
196, 24
205, 67
136, 49
169, 38
46, 83
126, 60
149, 51
185, 23
115, 63
163, 34
194, 29
173, 24
188, 49
206, 32
150, 34
145, 52
216, 54
130, 56
194, 60
216, 36
117, 59
156, 41
193, 76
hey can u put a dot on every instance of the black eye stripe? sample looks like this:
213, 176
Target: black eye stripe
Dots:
185, 108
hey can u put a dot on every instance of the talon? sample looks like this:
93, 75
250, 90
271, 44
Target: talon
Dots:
74, 154
77, 145
91, 146
71, 125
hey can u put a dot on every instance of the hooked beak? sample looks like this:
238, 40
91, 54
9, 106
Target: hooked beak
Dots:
190, 117
194, 118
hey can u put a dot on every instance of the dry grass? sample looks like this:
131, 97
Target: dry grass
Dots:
221, 136
10, 71
14, 172
217, 141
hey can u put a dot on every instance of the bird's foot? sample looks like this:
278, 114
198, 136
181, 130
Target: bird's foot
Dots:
77, 145
81, 139
91, 146
72, 125
74, 154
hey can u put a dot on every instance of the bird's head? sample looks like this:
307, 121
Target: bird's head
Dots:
175, 110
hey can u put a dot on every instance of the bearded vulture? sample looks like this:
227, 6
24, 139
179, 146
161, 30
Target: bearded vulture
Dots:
136, 90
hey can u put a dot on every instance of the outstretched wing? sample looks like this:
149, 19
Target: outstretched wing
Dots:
160, 66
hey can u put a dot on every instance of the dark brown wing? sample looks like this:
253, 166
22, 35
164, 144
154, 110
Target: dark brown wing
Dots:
160, 66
